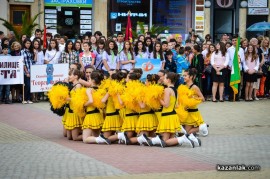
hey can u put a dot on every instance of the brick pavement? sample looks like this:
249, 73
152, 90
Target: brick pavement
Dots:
241, 139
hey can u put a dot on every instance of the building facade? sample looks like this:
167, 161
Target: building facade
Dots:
75, 17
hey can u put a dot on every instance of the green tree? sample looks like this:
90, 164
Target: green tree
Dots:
28, 25
154, 30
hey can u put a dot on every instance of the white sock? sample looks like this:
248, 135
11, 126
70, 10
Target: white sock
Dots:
140, 140
155, 140
183, 130
99, 140
120, 135
180, 140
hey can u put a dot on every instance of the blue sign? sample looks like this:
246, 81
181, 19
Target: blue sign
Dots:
113, 15
149, 66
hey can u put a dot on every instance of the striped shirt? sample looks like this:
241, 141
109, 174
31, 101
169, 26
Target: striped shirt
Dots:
28, 59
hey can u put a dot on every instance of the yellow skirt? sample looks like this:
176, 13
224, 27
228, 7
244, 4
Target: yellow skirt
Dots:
169, 124
158, 114
147, 122
64, 118
129, 123
122, 113
73, 121
193, 119
112, 123
93, 121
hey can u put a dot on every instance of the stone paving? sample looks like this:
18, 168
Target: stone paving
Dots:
32, 146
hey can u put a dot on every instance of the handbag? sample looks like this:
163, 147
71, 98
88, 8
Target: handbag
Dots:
208, 69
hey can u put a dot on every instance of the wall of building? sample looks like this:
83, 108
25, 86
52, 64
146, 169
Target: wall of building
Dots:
36, 7
100, 20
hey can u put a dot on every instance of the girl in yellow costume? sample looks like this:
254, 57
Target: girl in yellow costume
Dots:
112, 122
194, 122
93, 120
147, 121
73, 122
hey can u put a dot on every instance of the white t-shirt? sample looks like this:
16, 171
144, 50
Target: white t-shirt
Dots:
52, 56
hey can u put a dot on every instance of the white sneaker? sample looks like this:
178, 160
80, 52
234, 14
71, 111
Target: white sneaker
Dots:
183, 130
160, 141
203, 129
257, 99
104, 140
184, 140
24, 102
122, 136
143, 139
197, 141
29, 102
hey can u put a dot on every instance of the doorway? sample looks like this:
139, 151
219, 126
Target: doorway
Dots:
16, 14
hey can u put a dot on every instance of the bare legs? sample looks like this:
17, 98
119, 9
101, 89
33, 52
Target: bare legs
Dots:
248, 91
74, 134
214, 90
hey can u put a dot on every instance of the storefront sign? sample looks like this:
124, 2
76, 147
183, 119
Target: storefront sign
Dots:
86, 12
44, 76
85, 22
51, 16
70, 3
258, 11
11, 70
257, 3
50, 21
84, 31
86, 26
86, 17
50, 11
199, 15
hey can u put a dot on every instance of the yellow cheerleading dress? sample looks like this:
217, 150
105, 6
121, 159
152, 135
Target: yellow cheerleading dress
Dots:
147, 120
130, 120
93, 118
158, 113
194, 117
64, 118
112, 120
169, 121
72, 120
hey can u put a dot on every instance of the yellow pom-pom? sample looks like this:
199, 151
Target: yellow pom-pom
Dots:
97, 97
115, 88
132, 90
182, 113
187, 97
78, 99
152, 95
105, 84
58, 95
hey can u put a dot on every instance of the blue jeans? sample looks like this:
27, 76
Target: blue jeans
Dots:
7, 91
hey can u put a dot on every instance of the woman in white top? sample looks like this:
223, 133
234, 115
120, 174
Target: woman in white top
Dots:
38, 53
86, 57
158, 54
99, 53
251, 66
219, 63
52, 55
127, 57
140, 50
110, 57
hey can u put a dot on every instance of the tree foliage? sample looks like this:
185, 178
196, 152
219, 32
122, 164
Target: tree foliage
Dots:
28, 25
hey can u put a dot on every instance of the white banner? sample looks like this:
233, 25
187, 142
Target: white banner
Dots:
11, 70
44, 76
